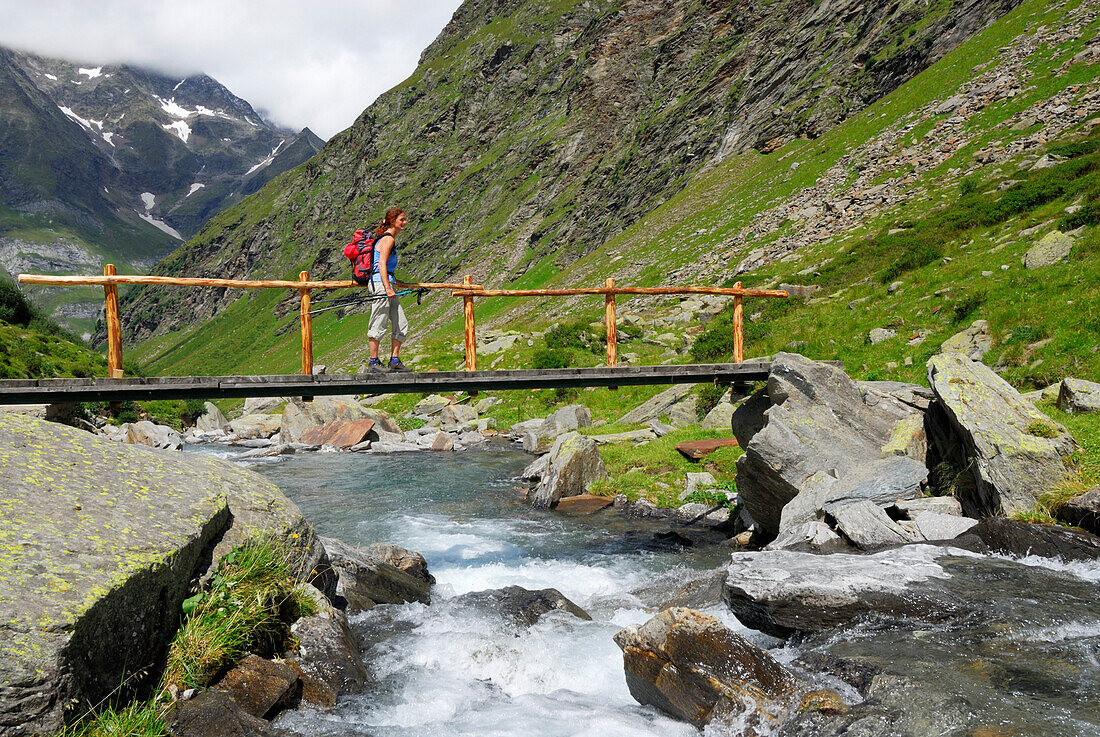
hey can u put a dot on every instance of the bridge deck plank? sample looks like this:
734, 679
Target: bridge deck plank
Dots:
29, 391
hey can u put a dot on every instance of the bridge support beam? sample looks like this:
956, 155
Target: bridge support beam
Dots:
114, 326
307, 328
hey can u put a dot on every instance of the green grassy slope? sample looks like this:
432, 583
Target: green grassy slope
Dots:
949, 254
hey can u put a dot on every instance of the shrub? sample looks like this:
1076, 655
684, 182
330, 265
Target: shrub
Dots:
966, 307
969, 185
709, 394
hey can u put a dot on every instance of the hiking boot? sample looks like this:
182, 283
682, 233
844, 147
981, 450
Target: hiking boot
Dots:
396, 365
375, 365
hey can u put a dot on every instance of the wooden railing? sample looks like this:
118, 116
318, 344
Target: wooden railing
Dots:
467, 290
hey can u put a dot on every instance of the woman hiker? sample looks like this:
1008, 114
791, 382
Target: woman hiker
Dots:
382, 282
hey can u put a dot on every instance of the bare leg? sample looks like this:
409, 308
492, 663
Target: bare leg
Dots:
395, 350
373, 343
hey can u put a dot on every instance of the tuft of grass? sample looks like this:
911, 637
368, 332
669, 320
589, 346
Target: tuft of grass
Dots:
1041, 429
245, 608
143, 719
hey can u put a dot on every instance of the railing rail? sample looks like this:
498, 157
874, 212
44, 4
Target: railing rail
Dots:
467, 290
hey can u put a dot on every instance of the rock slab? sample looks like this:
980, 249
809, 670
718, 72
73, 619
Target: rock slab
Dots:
1078, 396
574, 463
1017, 453
691, 666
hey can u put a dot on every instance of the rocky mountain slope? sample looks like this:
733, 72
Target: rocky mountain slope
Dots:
120, 163
531, 133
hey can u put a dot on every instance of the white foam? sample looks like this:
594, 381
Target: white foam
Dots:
1085, 570
180, 128
91, 73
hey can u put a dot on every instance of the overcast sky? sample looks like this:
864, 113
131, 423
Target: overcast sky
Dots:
316, 64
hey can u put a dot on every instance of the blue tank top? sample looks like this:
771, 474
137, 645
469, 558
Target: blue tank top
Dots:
391, 262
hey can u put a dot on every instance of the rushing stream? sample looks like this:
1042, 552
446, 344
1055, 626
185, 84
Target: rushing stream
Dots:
1029, 666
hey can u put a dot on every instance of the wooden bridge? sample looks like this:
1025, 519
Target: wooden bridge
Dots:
117, 387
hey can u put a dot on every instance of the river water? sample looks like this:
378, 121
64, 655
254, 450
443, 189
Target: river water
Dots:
1029, 665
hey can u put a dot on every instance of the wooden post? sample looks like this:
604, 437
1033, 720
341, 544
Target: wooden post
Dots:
468, 319
307, 329
114, 327
738, 327
609, 318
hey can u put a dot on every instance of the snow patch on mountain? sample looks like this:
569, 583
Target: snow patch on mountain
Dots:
180, 128
149, 199
177, 111
91, 73
108, 136
89, 124
161, 225
51, 77
194, 188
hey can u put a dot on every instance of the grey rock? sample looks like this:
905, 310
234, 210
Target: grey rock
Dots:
366, 578
108, 552
809, 537
255, 426
693, 482
456, 414
263, 405
1011, 464
656, 406
574, 464
720, 415
390, 446
301, 416
821, 428
909, 508
1083, 511
211, 419
523, 607
430, 405
748, 417
253, 443
382, 420
867, 525
974, 342
938, 526
328, 655
950, 105
566, 419
693, 667
442, 442
485, 404
520, 429
1011, 537
214, 714
153, 435
880, 335
781, 592
267, 452
684, 413
881, 481
535, 470
1078, 396
1051, 248
708, 515
659, 428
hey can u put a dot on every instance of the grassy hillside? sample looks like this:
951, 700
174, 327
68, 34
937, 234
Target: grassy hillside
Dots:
31, 346
930, 240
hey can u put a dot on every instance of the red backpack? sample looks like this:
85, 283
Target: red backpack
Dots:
361, 253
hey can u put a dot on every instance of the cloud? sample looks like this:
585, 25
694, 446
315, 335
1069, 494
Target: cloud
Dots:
317, 64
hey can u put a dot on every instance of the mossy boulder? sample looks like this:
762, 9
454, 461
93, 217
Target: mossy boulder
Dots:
101, 543
1016, 452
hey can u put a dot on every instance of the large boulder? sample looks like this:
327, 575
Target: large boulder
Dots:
263, 405
255, 426
782, 592
366, 578
574, 463
523, 607
103, 541
1020, 539
327, 655
823, 431
656, 406
261, 687
214, 714
298, 417
153, 435
693, 667
1077, 396
974, 342
1083, 511
1017, 453
211, 419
